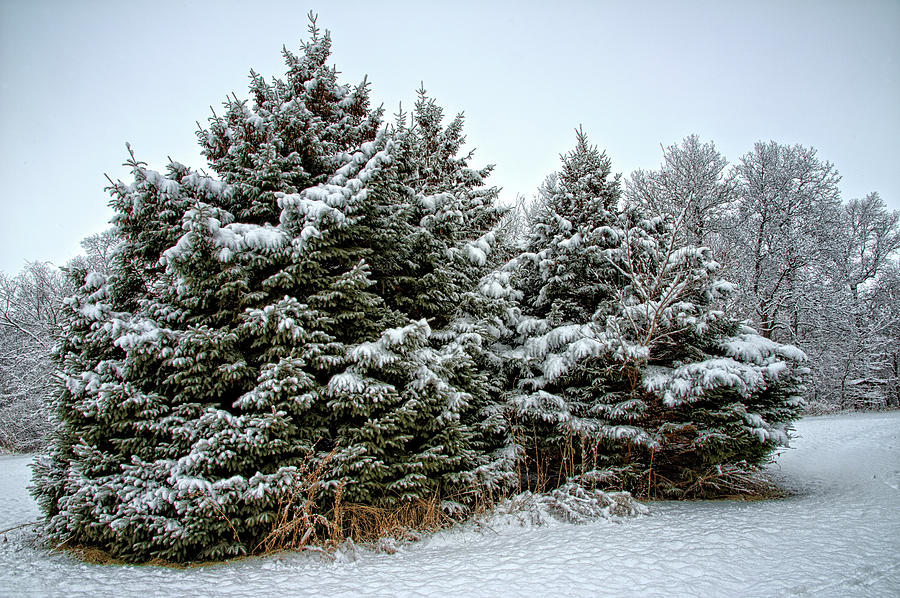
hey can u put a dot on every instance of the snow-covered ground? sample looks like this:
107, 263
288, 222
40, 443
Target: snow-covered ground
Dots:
839, 535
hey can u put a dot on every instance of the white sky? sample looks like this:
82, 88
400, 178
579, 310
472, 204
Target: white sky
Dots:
79, 79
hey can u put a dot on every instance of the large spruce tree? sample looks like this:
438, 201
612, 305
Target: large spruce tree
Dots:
274, 321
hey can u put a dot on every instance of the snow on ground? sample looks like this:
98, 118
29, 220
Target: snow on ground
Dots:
839, 535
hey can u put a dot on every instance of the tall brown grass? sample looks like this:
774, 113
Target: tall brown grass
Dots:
301, 521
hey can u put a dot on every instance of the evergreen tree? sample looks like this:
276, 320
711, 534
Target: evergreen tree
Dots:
454, 217
558, 283
264, 325
295, 135
616, 316
717, 398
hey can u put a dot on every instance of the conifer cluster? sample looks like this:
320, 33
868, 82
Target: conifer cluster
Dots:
334, 299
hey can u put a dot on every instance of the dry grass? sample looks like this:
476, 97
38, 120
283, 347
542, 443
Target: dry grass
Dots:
301, 523
541, 469
365, 523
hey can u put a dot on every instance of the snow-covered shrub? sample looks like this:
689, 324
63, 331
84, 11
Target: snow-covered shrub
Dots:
570, 503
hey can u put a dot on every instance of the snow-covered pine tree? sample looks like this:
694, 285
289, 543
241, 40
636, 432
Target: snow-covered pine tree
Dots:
250, 334
716, 397
454, 217
107, 417
563, 285
293, 136
625, 371
409, 400
385, 393
169, 444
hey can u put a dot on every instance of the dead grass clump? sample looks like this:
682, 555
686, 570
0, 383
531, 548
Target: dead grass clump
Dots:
300, 526
298, 521
365, 523
302, 523
91, 555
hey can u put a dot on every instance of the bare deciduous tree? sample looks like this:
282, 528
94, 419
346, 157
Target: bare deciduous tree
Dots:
856, 336
808, 270
691, 185
788, 204
30, 306
99, 252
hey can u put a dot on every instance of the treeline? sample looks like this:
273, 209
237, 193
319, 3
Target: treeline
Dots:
808, 269
31, 320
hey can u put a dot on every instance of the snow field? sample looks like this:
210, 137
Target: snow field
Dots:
837, 535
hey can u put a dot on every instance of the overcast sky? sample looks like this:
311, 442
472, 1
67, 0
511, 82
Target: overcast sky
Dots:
79, 79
